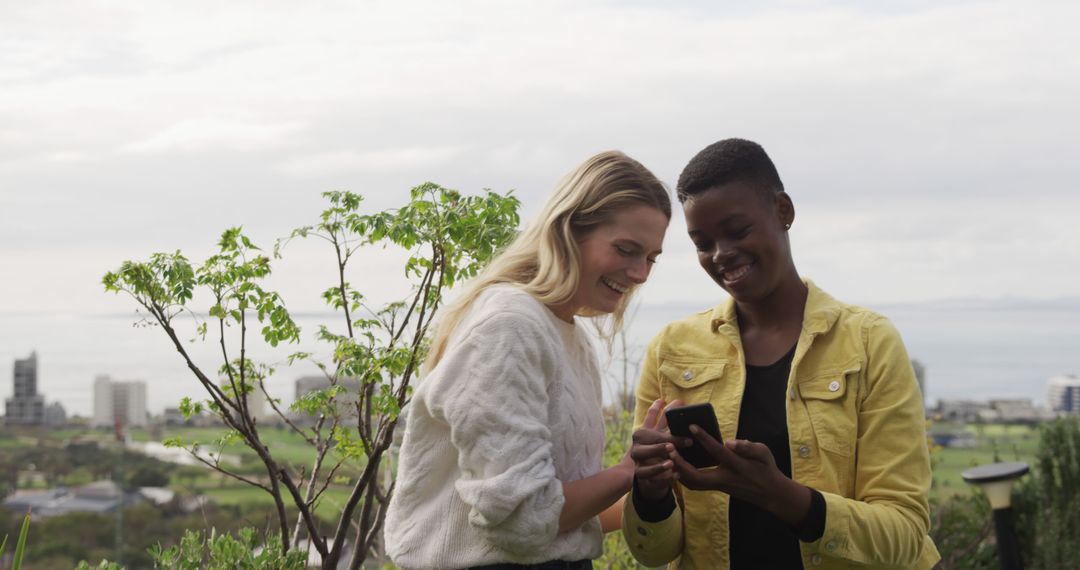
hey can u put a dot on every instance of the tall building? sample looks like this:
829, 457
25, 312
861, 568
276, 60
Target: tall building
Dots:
259, 408
55, 415
920, 377
346, 401
25, 407
1063, 394
119, 401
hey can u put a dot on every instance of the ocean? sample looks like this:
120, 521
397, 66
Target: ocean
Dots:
971, 349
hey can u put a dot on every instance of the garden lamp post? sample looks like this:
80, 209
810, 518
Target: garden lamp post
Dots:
996, 480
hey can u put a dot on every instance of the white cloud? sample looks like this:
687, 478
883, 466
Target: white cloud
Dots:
911, 135
389, 159
211, 134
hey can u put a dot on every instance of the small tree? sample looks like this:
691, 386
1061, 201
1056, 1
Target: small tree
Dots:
448, 236
1054, 497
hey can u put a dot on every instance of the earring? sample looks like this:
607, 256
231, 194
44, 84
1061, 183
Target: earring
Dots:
787, 226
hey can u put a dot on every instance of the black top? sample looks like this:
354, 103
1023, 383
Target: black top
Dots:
758, 539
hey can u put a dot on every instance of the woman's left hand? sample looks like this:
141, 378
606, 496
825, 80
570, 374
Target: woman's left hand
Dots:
745, 470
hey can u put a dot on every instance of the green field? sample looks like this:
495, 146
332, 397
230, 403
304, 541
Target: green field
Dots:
232, 492
994, 443
285, 445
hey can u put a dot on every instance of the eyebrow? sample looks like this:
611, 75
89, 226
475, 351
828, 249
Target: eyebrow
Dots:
639, 246
733, 218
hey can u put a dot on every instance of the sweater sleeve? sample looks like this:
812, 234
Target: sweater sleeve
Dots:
493, 395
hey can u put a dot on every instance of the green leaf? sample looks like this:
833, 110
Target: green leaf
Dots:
20, 546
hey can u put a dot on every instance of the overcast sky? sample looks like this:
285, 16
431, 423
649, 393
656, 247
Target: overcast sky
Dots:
930, 147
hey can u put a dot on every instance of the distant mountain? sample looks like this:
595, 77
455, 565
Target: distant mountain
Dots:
1000, 304
954, 304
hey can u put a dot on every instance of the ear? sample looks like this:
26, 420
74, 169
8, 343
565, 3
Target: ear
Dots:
785, 209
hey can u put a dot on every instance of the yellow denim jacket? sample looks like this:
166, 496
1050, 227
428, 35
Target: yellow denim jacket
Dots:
855, 425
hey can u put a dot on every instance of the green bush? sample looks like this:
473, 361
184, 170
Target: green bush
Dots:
1054, 510
197, 551
618, 431
1045, 509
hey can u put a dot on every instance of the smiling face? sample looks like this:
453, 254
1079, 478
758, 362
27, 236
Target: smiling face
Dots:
741, 239
616, 257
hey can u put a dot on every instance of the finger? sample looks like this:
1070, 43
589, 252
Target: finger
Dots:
654, 471
645, 453
684, 471
661, 423
652, 413
749, 449
644, 436
715, 448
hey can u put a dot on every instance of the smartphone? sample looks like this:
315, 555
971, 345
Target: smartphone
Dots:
702, 415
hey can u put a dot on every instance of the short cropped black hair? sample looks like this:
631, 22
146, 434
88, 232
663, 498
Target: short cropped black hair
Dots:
726, 161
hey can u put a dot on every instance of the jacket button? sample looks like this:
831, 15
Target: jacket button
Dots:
815, 560
804, 451
830, 546
641, 530
687, 375
834, 386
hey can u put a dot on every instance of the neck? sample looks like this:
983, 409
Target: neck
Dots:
564, 311
780, 309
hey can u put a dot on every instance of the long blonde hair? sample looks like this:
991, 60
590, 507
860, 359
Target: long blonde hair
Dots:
544, 260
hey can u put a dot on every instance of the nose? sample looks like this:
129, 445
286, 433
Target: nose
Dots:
720, 254
638, 271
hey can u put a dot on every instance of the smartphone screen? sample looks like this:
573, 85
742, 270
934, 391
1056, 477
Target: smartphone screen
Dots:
679, 422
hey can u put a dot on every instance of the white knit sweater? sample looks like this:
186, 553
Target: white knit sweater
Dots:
511, 411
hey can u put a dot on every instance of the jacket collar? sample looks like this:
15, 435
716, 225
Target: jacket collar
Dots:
819, 315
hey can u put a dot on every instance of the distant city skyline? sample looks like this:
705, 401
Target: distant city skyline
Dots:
929, 147
987, 350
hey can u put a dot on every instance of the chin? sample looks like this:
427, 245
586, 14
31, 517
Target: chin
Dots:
605, 308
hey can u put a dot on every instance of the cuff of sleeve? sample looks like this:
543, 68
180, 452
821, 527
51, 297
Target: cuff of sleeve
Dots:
812, 526
653, 543
835, 538
652, 511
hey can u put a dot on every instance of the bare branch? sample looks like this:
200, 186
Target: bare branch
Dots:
216, 466
228, 367
341, 284
284, 418
436, 253
216, 394
380, 518
350, 504
320, 454
328, 480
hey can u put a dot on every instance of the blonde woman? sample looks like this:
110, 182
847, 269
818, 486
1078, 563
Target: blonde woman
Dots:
501, 461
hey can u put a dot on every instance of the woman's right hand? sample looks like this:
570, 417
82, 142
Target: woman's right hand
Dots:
651, 449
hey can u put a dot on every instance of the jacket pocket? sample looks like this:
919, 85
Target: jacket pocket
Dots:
829, 402
689, 381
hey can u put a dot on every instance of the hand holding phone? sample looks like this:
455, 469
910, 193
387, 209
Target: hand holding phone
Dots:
702, 415
654, 472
